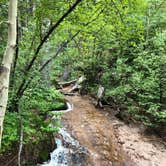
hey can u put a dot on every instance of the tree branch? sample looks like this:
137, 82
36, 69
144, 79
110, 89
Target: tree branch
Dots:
50, 32
59, 50
29, 66
25, 83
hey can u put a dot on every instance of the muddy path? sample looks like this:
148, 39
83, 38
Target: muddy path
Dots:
108, 140
92, 128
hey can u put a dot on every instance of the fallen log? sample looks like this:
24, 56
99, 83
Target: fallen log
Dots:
68, 93
64, 84
77, 85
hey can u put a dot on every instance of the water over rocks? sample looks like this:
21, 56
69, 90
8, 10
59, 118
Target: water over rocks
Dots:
68, 152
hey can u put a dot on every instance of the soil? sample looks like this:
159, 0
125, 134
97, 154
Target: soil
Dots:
109, 140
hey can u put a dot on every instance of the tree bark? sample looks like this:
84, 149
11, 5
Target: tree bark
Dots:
7, 61
15, 59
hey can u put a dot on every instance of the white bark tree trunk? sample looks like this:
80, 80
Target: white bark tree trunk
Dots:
7, 61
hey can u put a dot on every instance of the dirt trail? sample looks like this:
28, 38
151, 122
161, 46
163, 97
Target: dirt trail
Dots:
110, 141
94, 131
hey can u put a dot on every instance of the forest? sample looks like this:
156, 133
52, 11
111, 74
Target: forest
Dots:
55, 52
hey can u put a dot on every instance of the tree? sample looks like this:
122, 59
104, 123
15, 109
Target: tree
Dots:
43, 39
7, 61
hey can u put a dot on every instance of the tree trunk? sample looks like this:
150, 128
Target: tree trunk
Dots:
21, 137
7, 61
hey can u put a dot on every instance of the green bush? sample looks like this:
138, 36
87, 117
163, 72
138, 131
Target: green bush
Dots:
36, 107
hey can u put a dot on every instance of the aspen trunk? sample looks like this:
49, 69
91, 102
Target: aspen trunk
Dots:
7, 61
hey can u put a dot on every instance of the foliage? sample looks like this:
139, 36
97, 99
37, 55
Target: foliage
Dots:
129, 61
36, 107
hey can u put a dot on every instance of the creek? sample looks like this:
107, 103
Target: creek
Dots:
68, 151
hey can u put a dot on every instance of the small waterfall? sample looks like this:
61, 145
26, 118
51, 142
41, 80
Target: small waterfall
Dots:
58, 156
68, 152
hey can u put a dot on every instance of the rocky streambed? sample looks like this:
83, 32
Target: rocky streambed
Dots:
68, 152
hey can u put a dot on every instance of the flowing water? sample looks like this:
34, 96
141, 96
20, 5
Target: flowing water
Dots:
68, 151
58, 156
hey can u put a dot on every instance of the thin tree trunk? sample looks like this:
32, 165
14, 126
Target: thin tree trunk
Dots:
7, 61
21, 137
15, 60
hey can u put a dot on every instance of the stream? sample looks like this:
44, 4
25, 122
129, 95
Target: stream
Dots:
68, 151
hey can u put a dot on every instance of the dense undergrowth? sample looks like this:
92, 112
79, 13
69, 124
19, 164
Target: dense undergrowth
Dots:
136, 87
36, 106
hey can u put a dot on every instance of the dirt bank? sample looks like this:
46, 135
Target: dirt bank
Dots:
110, 141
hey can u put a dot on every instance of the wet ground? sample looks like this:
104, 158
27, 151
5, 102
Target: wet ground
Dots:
93, 129
110, 141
